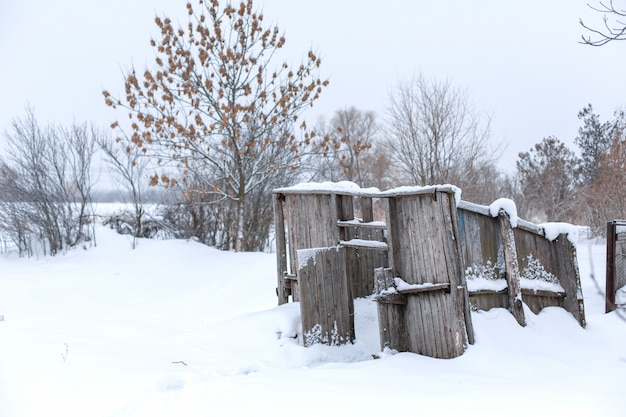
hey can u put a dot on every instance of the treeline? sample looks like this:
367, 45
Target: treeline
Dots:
586, 187
551, 183
47, 175
217, 122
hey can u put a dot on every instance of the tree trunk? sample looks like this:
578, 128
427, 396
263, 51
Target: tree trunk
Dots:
240, 225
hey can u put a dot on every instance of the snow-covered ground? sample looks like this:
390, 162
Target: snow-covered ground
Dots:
175, 328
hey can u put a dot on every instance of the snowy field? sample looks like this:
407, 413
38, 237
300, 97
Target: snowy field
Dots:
175, 328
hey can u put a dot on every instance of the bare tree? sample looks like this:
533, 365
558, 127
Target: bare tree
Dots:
433, 134
14, 212
380, 172
347, 139
129, 167
50, 186
213, 101
614, 29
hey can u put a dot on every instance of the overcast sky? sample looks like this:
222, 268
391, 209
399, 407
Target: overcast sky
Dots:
520, 62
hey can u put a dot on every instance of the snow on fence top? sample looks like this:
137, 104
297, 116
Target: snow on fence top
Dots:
328, 187
350, 188
550, 230
508, 206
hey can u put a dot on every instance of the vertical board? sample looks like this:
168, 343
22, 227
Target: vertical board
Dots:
311, 223
283, 289
423, 250
480, 238
361, 262
391, 312
326, 303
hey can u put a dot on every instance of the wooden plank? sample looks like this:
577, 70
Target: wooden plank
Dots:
362, 225
367, 209
461, 300
423, 253
283, 289
512, 268
537, 302
486, 300
569, 277
391, 307
326, 304
364, 244
434, 287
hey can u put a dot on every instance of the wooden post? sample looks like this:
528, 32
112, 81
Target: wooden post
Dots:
611, 235
512, 268
367, 209
451, 214
283, 290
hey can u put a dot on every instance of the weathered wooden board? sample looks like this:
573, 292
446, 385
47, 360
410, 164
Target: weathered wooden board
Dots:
326, 302
482, 242
361, 263
480, 238
284, 287
512, 275
391, 312
558, 257
424, 250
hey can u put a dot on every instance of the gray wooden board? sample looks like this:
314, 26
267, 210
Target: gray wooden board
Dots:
422, 246
325, 296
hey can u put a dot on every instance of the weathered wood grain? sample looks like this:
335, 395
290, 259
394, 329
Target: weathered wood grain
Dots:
391, 307
423, 251
284, 287
512, 268
326, 302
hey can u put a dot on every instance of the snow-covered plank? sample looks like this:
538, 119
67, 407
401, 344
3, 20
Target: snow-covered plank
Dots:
363, 243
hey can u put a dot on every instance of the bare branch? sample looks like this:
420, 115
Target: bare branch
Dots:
615, 31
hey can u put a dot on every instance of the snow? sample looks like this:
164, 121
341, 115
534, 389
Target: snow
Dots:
476, 284
402, 285
175, 328
554, 229
372, 244
476, 208
538, 284
326, 187
304, 255
350, 188
408, 190
508, 206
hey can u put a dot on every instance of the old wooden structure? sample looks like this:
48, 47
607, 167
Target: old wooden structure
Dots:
413, 256
428, 310
486, 242
316, 228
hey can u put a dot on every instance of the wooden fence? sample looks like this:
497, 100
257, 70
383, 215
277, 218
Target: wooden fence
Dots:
417, 260
530, 254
